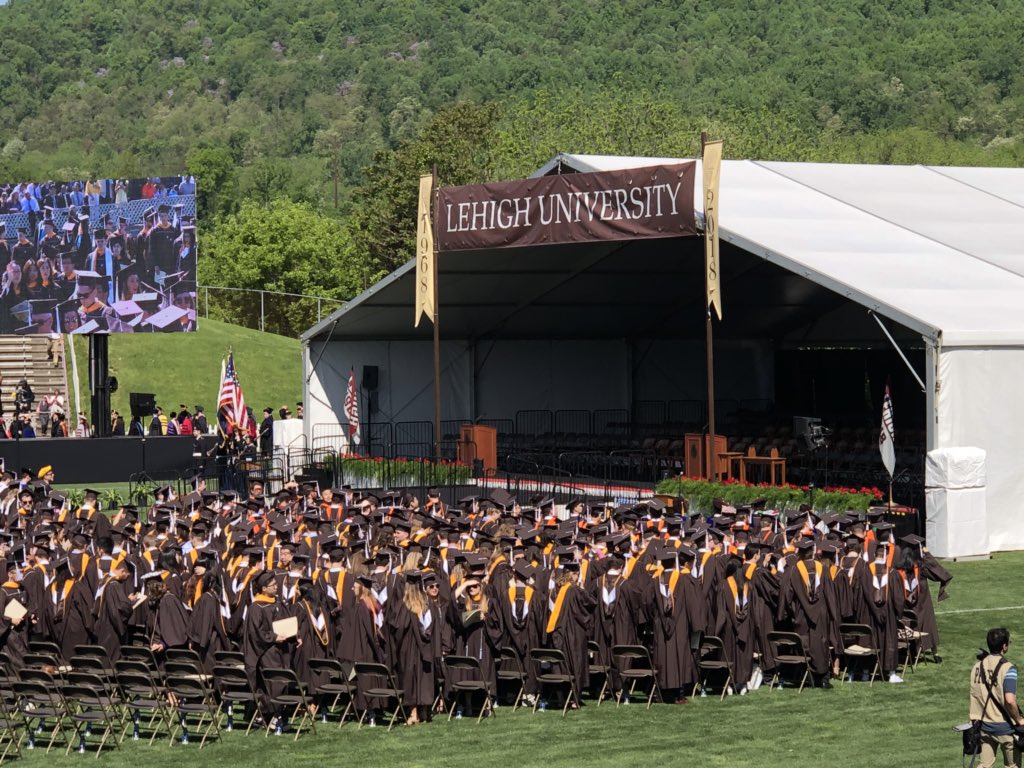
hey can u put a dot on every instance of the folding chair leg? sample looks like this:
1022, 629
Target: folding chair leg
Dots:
725, 687
604, 687
485, 707
519, 698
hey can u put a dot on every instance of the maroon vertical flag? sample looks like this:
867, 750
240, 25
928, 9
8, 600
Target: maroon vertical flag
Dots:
887, 437
352, 408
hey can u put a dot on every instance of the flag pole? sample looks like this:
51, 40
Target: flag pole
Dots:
712, 465
437, 337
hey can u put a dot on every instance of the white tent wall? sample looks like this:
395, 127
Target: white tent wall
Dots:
406, 382
675, 370
979, 405
550, 375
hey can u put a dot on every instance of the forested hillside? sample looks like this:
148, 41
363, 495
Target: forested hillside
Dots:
273, 104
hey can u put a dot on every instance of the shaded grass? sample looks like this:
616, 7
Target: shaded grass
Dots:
852, 725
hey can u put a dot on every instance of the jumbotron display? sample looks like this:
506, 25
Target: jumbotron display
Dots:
98, 256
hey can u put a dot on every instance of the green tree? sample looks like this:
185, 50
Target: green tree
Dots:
285, 247
458, 142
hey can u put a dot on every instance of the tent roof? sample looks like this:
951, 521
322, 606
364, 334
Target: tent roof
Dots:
934, 249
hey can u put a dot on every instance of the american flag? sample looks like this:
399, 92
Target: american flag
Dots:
352, 408
231, 410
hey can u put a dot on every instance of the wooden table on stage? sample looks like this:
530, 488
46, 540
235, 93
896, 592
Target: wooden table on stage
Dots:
772, 461
727, 460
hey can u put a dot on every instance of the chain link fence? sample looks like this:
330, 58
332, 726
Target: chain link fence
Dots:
286, 314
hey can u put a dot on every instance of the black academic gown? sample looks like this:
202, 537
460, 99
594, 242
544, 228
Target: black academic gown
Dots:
735, 626
76, 618
410, 642
170, 622
766, 588
883, 593
207, 629
672, 622
261, 649
806, 606
315, 631
571, 630
13, 639
113, 610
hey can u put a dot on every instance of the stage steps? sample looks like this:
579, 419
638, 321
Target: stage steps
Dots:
40, 360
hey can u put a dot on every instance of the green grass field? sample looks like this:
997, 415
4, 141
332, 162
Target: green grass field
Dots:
852, 725
185, 367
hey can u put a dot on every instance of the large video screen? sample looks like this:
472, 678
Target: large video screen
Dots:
98, 256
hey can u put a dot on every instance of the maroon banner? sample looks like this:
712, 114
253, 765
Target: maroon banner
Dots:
656, 201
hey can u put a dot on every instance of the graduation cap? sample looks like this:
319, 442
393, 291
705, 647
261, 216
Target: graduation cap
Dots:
166, 318
911, 540
69, 226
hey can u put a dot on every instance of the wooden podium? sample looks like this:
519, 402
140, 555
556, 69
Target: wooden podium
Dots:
477, 441
696, 447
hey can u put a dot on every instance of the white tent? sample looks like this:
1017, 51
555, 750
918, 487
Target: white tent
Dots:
940, 251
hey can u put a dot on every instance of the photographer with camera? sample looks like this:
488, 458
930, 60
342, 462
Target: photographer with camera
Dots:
994, 702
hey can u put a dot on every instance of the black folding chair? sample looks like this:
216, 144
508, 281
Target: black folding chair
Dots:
42, 701
375, 681
790, 655
139, 653
335, 690
466, 678
290, 694
545, 662
143, 694
229, 658
234, 689
633, 665
858, 650
597, 670
91, 704
95, 651
11, 722
712, 659
192, 697
509, 670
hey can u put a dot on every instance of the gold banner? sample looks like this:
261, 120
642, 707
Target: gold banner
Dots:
426, 288
712, 156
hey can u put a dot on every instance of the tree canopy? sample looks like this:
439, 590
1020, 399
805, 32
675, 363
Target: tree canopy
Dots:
293, 99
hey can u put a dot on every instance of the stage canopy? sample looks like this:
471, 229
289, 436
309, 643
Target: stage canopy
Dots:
812, 254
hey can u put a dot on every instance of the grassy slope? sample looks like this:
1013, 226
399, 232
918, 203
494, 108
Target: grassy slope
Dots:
906, 725
185, 368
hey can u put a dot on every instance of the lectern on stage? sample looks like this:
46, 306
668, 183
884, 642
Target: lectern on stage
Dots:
697, 447
477, 441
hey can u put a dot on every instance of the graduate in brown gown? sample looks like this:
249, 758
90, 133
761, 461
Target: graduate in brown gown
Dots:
262, 647
520, 611
13, 634
615, 611
410, 626
73, 611
922, 563
113, 609
170, 619
677, 609
207, 626
36, 584
361, 639
569, 624
802, 600
758, 573
734, 622
316, 633
883, 592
